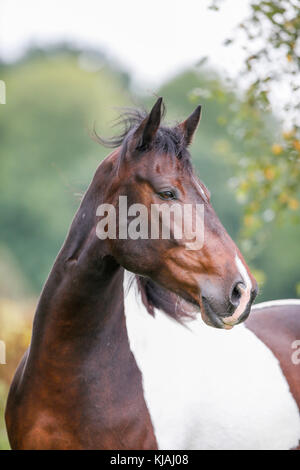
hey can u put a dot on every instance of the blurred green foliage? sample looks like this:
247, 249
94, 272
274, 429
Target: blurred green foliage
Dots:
46, 156
47, 160
15, 327
268, 183
226, 161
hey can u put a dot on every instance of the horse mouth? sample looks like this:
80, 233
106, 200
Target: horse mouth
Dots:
208, 316
211, 318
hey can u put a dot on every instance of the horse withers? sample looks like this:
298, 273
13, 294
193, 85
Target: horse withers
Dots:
122, 354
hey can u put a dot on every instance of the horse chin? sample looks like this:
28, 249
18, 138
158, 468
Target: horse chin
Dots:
210, 318
216, 323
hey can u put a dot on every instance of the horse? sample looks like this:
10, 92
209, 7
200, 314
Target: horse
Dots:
144, 343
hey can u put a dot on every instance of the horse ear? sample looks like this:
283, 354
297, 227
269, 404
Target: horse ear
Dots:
148, 127
189, 126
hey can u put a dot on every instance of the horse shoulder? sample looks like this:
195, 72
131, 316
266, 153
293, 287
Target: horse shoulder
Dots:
30, 430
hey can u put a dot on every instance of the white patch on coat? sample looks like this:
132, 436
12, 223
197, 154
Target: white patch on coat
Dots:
207, 388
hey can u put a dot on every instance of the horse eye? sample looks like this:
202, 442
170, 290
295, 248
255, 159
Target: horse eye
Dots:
167, 195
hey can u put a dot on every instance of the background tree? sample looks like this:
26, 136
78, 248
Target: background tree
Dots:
47, 160
268, 177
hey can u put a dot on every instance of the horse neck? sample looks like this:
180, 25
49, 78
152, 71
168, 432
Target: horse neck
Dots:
84, 289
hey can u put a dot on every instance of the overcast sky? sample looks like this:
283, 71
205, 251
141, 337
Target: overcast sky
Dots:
153, 39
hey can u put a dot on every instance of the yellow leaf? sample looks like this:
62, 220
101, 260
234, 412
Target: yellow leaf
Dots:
248, 220
254, 206
293, 204
244, 186
251, 221
277, 149
288, 134
269, 173
283, 197
296, 145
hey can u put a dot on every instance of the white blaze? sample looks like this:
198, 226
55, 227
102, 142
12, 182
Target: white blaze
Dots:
245, 293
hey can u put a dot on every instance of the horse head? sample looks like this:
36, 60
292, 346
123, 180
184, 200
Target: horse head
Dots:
153, 176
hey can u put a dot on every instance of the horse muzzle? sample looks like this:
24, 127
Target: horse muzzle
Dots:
233, 313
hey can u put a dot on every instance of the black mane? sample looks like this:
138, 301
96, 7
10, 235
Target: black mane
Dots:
156, 296
168, 139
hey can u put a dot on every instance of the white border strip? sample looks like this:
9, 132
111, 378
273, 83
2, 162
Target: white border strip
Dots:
276, 303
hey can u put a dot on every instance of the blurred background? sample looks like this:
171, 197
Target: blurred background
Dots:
69, 64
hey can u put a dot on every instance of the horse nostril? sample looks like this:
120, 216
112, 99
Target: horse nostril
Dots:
236, 294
